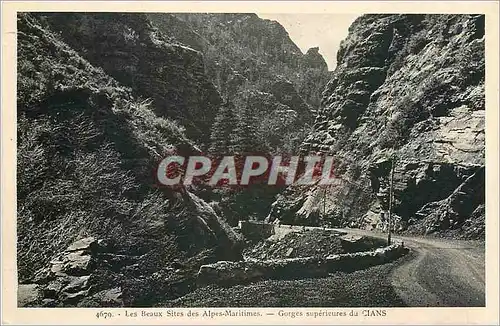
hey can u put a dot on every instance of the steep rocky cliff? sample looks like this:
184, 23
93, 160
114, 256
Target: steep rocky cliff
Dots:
88, 147
408, 93
242, 48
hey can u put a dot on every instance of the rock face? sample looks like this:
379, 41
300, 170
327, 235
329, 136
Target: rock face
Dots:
90, 273
79, 277
67, 279
28, 294
467, 200
408, 89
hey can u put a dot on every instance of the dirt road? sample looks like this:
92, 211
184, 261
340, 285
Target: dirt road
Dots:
440, 272
437, 272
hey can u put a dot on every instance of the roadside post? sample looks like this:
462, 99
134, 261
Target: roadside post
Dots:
391, 192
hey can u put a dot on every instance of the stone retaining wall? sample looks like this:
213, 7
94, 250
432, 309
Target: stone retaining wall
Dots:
229, 272
256, 231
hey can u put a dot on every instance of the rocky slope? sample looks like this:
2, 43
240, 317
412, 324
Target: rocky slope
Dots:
129, 48
103, 97
253, 61
88, 146
408, 89
310, 243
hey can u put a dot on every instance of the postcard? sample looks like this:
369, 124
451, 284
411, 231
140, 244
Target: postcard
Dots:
250, 162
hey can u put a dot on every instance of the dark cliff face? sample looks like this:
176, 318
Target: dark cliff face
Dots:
129, 49
408, 88
87, 152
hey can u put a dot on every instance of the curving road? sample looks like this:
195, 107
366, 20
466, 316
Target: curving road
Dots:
438, 272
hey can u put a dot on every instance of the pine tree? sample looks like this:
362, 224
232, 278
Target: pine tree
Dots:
222, 133
246, 140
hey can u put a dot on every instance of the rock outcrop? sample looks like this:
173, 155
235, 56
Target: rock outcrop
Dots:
408, 89
72, 275
289, 242
88, 273
314, 59
91, 273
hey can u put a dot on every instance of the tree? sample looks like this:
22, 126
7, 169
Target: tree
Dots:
223, 130
246, 140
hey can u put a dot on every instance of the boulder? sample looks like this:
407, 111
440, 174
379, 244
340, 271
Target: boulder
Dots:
76, 263
112, 297
86, 244
49, 303
67, 280
76, 284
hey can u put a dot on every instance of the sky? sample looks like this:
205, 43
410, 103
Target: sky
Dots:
316, 30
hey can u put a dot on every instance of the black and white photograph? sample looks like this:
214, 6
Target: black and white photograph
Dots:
216, 160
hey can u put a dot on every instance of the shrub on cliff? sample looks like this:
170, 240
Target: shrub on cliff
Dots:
398, 129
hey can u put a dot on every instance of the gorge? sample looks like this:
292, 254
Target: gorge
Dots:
104, 97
